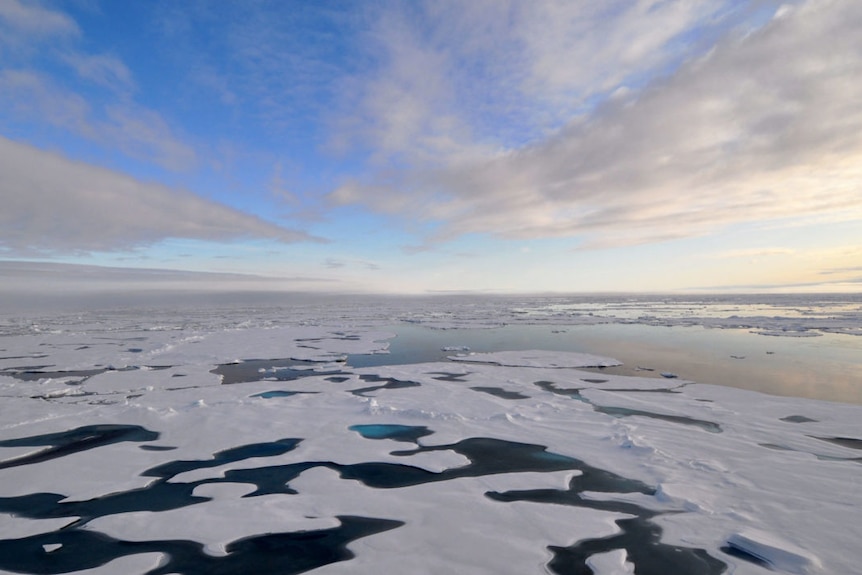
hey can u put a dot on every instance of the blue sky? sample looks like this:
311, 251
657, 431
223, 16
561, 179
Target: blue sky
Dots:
491, 145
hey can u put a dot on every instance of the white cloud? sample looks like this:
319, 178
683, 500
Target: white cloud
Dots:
25, 94
80, 108
103, 69
23, 20
767, 125
137, 131
576, 50
143, 133
53, 205
454, 79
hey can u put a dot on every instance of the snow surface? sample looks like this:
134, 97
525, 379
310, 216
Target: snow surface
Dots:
741, 475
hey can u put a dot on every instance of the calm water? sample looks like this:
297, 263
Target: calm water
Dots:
827, 367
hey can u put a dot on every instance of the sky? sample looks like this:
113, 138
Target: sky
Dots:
436, 146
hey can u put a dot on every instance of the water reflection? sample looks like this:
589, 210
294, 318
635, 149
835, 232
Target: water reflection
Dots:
826, 367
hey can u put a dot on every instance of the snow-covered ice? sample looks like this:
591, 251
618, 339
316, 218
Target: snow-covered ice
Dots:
775, 552
124, 450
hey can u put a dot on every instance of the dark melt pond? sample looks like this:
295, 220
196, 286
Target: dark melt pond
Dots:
74, 548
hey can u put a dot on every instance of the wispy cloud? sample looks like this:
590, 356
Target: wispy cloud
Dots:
843, 271
275, 64
754, 253
27, 94
144, 134
53, 205
765, 125
453, 79
137, 131
339, 263
97, 104
20, 20
104, 69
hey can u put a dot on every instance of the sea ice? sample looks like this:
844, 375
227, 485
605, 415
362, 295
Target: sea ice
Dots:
774, 551
563, 458
610, 563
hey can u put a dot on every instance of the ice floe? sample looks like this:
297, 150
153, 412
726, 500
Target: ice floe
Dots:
125, 449
774, 552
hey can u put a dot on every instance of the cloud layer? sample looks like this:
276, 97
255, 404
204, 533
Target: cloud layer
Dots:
53, 205
583, 124
765, 125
